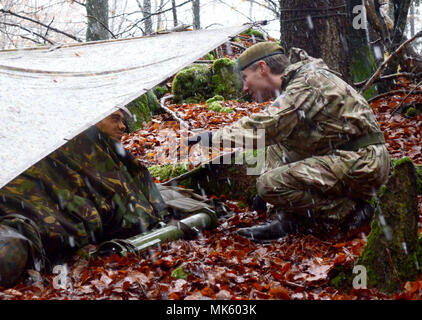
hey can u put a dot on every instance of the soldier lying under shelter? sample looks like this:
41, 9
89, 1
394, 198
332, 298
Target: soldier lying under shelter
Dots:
88, 191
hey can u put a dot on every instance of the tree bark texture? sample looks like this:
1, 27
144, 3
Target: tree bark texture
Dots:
146, 12
196, 14
97, 13
174, 11
319, 27
392, 254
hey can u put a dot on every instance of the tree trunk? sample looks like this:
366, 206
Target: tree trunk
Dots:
196, 14
319, 29
392, 254
362, 56
412, 20
147, 16
174, 10
159, 8
400, 10
97, 13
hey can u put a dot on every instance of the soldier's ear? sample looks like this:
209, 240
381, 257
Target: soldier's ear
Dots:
263, 68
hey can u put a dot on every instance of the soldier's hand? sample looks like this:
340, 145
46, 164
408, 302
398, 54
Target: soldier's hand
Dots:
203, 138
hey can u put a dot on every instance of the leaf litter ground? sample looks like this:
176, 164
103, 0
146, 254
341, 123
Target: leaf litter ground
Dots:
221, 264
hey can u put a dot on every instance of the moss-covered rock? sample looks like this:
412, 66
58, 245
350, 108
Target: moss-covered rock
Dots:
391, 255
198, 82
142, 109
160, 91
192, 84
394, 163
226, 80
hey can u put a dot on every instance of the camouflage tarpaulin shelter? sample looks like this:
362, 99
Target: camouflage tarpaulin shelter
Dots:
49, 95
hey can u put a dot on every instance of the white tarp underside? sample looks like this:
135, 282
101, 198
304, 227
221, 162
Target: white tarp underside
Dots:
48, 96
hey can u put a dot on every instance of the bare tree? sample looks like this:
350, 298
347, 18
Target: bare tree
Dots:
97, 14
159, 16
23, 22
196, 14
146, 12
174, 11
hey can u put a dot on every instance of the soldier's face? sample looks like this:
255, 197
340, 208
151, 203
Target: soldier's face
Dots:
257, 83
113, 125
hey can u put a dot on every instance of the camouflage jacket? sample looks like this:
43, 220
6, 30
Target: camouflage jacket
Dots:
87, 191
316, 113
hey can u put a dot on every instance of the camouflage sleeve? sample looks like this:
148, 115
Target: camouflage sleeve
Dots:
277, 122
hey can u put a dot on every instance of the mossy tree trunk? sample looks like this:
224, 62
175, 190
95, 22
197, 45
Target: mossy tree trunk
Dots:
362, 60
392, 253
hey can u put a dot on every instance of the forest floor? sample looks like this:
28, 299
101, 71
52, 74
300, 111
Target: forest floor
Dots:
219, 264
223, 265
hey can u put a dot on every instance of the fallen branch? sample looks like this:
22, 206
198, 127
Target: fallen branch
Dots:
237, 45
205, 61
389, 93
378, 72
391, 76
404, 99
172, 113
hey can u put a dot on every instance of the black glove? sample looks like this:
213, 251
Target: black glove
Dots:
204, 138
258, 204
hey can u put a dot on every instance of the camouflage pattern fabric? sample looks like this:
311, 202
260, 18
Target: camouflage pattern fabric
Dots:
307, 172
87, 191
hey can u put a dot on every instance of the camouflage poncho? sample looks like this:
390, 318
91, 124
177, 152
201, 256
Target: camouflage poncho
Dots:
87, 191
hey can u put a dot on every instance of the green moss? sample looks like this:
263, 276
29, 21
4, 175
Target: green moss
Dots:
341, 278
160, 91
227, 110
169, 171
226, 80
252, 32
179, 273
401, 161
362, 66
215, 106
215, 98
193, 83
142, 109
209, 56
392, 251
242, 204
411, 112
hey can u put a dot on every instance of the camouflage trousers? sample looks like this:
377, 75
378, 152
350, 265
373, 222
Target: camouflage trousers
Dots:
326, 187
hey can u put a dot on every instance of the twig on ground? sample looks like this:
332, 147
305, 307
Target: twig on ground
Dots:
404, 99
